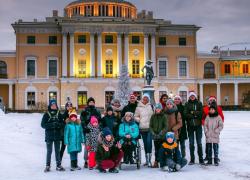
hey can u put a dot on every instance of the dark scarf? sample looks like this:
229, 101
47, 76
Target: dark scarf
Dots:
171, 111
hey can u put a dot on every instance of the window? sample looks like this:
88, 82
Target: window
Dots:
82, 67
52, 96
109, 97
31, 39
82, 39
209, 71
135, 40
162, 68
109, 66
52, 67
135, 67
183, 95
82, 99
52, 39
3, 69
227, 69
245, 68
162, 41
31, 67
138, 95
108, 39
31, 99
182, 68
182, 41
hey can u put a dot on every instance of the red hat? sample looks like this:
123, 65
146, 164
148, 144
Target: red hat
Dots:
93, 120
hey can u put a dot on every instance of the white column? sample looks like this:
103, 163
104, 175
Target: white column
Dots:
153, 56
64, 56
119, 53
145, 48
236, 102
92, 55
99, 55
218, 94
201, 93
126, 50
10, 96
72, 49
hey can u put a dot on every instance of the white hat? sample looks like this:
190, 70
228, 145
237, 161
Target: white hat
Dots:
146, 95
177, 97
192, 93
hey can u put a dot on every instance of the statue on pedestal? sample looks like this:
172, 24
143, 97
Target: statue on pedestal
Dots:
149, 72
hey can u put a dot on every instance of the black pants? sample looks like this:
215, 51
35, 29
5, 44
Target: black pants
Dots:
207, 150
157, 144
49, 145
182, 146
128, 148
195, 132
62, 149
213, 146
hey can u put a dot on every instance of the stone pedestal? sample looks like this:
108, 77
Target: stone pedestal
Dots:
150, 91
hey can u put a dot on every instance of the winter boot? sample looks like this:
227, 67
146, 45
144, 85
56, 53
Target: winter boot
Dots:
192, 161
216, 162
47, 169
126, 160
209, 162
85, 164
149, 160
113, 170
102, 170
76, 165
60, 168
72, 165
156, 165
200, 154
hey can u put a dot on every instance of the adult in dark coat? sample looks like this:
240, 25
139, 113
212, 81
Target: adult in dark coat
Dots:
193, 113
183, 131
132, 104
52, 122
109, 120
86, 114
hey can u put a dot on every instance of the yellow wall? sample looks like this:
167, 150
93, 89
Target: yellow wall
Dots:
11, 66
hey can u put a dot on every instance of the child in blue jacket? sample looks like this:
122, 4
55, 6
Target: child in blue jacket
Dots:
128, 133
73, 138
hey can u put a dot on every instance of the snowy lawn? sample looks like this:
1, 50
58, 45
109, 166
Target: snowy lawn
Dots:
23, 152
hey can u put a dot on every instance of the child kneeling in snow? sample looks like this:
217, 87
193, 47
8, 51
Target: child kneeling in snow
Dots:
73, 138
92, 141
128, 132
108, 155
170, 156
213, 126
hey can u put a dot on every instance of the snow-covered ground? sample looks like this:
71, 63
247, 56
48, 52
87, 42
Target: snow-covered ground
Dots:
22, 154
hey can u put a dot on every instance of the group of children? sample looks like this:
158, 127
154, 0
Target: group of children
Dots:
112, 138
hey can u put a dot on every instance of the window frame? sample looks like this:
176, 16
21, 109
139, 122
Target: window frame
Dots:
166, 68
183, 59
82, 39
109, 39
53, 41
135, 65
165, 41
180, 41
48, 68
135, 41
26, 67
109, 65
31, 41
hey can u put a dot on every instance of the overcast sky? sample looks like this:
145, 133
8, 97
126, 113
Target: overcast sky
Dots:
222, 21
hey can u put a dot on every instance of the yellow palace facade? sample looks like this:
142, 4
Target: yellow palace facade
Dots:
79, 55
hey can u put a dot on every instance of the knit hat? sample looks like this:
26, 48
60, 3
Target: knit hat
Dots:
106, 131
211, 99
73, 114
68, 104
146, 95
178, 97
129, 114
93, 119
109, 109
170, 135
52, 102
170, 101
192, 93
115, 101
158, 106
90, 99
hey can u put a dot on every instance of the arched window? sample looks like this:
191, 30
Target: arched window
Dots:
3, 69
209, 70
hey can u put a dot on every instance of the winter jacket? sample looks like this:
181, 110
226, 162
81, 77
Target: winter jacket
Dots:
92, 137
128, 128
193, 113
174, 121
118, 115
212, 128
53, 123
169, 151
86, 115
109, 121
183, 131
158, 125
129, 108
101, 154
143, 114
73, 136
206, 111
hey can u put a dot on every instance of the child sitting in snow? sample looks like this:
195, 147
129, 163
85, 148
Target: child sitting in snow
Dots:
169, 155
128, 132
92, 141
212, 127
73, 138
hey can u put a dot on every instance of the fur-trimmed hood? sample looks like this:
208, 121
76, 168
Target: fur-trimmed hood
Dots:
78, 121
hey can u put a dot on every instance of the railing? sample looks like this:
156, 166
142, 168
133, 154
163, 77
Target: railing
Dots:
3, 76
240, 76
209, 76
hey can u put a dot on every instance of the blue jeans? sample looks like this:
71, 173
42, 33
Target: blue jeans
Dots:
147, 141
195, 131
49, 145
73, 155
182, 148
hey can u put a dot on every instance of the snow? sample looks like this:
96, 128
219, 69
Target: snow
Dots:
1, 112
236, 47
23, 152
